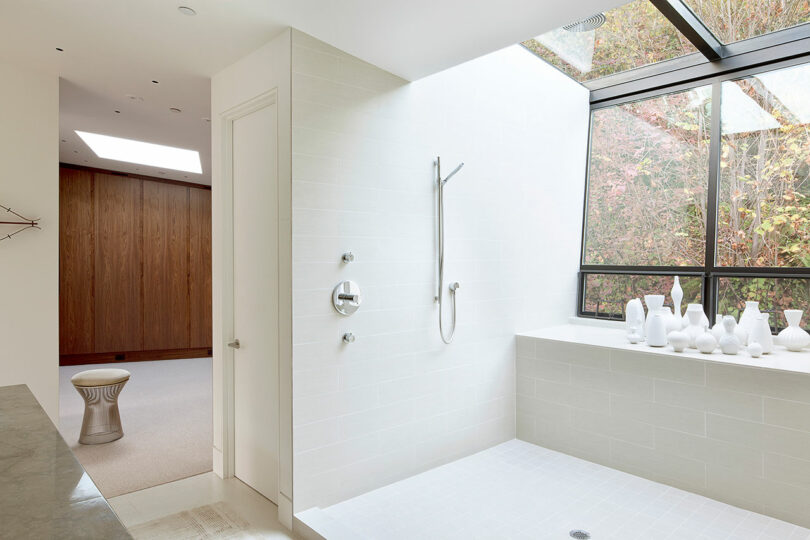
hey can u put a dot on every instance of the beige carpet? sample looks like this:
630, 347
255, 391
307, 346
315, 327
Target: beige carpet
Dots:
212, 521
166, 412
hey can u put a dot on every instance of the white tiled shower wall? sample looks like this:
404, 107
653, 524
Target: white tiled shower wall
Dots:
737, 434
398, 401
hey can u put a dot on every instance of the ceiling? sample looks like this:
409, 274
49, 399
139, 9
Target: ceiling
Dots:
113, 50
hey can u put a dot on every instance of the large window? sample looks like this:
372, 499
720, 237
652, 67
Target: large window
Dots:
723, 202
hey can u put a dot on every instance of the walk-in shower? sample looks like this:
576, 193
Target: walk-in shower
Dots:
455, 285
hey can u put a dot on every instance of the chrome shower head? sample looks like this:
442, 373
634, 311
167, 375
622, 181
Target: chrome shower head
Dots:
449, 176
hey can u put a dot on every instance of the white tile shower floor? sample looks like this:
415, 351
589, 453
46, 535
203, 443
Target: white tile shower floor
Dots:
518, 490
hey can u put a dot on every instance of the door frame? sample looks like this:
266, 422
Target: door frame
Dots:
227, 119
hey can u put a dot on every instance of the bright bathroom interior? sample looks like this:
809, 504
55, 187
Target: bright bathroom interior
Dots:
444, 271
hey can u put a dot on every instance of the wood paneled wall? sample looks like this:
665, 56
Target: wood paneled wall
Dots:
135, 268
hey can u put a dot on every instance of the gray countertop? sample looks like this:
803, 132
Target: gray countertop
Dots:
44, 492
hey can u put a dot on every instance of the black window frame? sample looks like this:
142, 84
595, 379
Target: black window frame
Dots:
746, 64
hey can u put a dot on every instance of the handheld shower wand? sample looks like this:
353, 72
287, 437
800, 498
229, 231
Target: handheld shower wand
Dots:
455, 285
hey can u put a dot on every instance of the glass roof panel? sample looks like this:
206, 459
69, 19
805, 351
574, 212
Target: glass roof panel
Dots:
736, 20
624, 38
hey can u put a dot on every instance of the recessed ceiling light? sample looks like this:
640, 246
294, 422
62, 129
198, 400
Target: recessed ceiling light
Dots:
143, 153
156, 82
186, 11
117, 111
175, 110
64, 140
206, 119
132, 97
60, 49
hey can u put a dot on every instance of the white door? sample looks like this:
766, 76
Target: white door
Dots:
255, 294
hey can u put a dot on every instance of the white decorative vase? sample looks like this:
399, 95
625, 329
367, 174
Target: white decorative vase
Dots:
634, 318
729, 341
677, 297
679, 340
755, 349
748, 319
706, 343
672, 322
793, 338
761, 333
694, 314
654, 303
656, 329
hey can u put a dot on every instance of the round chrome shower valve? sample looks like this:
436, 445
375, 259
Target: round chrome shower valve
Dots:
346, 297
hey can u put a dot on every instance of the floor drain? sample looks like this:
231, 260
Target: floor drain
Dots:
579, 535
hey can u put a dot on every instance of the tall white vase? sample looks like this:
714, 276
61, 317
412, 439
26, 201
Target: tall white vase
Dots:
761, 333
677, 298
654, 303
729, 342
793, 338
748, 319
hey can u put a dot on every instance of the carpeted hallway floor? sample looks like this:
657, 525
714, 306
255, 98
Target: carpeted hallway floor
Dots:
166, 415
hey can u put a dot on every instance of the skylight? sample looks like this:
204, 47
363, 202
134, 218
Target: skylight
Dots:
142, 153
737, 20
624, 38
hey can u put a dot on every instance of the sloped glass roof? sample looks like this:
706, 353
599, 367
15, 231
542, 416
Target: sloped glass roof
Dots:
736, 20
647, 32
627, 37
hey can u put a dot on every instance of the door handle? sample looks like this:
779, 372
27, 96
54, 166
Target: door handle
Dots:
234, 344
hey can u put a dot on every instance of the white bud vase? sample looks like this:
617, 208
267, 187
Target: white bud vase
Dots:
706, 343
634, 318
729, 342
793, 338
761, 333
677, 297
749, 318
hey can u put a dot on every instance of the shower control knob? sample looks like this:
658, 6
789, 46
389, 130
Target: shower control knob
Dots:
348, 337
455, 286
347, 257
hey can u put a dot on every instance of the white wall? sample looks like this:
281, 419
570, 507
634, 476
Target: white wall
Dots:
29, 262
263, 70
398, 401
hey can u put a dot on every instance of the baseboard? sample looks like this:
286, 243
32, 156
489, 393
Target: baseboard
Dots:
132, 356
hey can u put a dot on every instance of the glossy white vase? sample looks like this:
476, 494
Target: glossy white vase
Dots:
761, 333
657, 329
748, 319
654, 303
634, 320
695, 329
793, 338
677, 297
673, 323
729, 341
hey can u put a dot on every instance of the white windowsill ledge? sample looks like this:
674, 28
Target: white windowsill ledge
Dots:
611, 335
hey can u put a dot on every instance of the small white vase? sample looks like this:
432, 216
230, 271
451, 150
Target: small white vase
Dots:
654, 303
677, 297
634, 317
793, 338
748, 319
679, 340
694, 313
729, 341
761, 333
656, 330
754, 349
706, 343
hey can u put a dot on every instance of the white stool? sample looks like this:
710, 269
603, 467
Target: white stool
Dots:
100, 388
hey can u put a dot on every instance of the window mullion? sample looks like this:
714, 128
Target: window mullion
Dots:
712, 197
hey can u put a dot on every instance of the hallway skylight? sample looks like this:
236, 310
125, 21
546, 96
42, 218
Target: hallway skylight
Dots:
736, 20
142, 153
